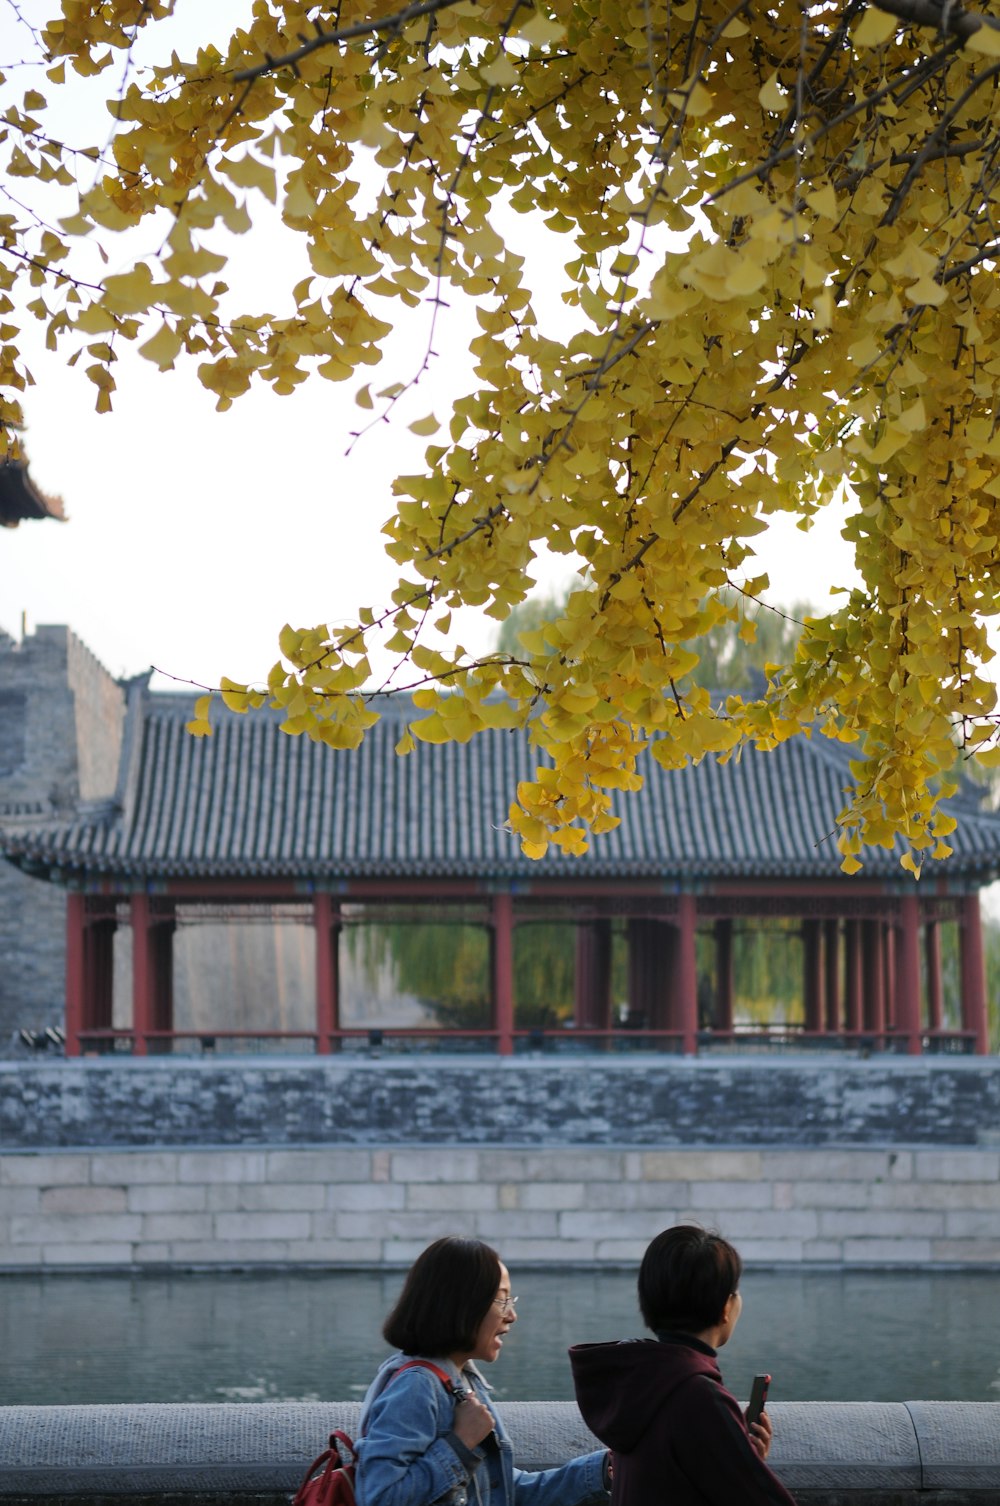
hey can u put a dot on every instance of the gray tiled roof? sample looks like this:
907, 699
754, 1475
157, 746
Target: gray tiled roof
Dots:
252, 801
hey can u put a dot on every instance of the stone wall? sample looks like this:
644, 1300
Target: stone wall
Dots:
354, 1207
61, 719
362, 1162
641, 1100
99, 718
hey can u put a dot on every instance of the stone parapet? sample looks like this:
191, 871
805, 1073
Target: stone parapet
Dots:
728, 1107
829, 1453
377, 1206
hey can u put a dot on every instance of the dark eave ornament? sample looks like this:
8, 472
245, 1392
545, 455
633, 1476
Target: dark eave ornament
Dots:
20, 498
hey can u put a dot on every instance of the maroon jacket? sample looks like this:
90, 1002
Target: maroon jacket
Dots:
677, 1436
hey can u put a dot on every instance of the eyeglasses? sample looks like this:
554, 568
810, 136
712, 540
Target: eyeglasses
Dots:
506, 1305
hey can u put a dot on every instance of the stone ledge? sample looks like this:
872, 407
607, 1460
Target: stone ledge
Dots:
829, 1453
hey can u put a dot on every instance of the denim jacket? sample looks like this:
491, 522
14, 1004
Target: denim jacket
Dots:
408, 1454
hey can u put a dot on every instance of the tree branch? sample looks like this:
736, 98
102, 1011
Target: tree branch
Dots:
395, 22
948, 19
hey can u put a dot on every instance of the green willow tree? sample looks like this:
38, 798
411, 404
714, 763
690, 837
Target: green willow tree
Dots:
446, 966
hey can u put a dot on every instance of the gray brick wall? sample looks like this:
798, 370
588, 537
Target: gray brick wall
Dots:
358, 1100
61, 718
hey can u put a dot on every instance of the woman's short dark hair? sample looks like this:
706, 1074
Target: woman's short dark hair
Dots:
686, 1277
446, 1295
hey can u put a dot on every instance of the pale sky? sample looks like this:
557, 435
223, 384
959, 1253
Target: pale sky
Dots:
193, 536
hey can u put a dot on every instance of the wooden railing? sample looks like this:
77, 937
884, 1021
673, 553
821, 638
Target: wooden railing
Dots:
390, 1040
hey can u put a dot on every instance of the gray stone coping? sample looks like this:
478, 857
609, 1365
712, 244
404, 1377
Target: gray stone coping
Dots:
959, 1444
890, 1451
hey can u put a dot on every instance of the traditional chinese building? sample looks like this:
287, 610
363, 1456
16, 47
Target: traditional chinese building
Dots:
251, 830
21, 500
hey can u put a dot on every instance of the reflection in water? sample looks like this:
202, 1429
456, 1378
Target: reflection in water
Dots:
310, 1336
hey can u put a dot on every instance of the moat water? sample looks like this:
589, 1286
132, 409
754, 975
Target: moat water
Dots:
840, 1336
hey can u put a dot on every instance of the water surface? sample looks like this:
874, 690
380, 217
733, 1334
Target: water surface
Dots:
307, 1336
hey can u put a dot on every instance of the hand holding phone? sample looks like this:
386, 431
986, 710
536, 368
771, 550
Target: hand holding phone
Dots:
758, 1398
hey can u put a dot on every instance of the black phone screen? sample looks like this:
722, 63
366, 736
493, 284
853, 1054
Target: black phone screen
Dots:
758, 1396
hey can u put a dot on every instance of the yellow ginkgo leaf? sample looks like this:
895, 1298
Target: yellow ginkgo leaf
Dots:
163, 348
772, 97
875, 27
985, 39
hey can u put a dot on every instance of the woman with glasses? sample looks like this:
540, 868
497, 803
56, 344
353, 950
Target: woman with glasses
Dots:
429, 1432
676, 1434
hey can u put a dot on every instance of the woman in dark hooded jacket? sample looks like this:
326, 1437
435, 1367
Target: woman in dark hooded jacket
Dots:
677, 1437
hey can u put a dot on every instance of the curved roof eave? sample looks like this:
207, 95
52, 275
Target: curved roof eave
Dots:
70, 867
251, 803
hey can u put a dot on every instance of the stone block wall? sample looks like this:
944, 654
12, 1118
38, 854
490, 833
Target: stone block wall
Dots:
380, 1206
33, 949
131, 1164
641, 1100
61, 721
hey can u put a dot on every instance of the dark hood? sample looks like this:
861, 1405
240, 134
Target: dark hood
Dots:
621, 1387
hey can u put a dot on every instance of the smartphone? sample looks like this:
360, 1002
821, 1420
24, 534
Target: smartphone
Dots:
758, 1397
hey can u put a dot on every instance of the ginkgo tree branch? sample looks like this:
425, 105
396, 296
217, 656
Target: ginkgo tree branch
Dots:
936, 143
859, 106
392, 23
949, 18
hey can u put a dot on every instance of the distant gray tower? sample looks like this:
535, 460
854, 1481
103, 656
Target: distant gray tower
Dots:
61, 717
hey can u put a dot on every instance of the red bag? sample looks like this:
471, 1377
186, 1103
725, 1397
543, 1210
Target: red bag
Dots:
334, 1484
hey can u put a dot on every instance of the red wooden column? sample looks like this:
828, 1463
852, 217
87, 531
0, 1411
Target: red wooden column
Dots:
932, 956
89, 972
854, 980
684, 997
592, 979
162, 937
874, 996
812, 968
974, 974
503, 972
76, 971
326, 919
152, 974
831, 975
142, 972
650, 973
99, 962
889, 975
723, 975
907, 1011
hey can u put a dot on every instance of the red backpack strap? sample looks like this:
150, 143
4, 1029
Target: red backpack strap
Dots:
442, 1375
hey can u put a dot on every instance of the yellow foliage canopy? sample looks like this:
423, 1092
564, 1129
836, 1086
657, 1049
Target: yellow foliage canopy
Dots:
782, 247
